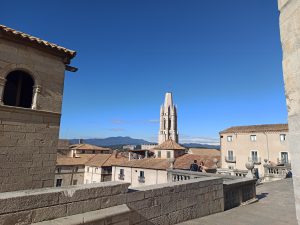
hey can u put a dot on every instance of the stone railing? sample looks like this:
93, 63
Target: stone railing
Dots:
237, 190
112, 203
230, 159
232, 172
273, 173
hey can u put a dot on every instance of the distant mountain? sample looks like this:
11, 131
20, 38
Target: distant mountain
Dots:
196, 145
112, 141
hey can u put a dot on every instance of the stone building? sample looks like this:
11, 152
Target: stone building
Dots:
259, 143
31, 89
168, 120
290, 39
169, 149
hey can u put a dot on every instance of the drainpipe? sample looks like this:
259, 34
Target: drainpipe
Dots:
267, 146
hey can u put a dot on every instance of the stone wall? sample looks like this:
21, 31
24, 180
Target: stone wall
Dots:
28, 142
290, 40
112, 202
28, 136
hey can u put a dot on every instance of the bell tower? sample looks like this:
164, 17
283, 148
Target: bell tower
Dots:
168, 120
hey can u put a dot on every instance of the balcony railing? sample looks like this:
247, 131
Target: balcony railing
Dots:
121, 176
284, 161
255, 160
230, 159
276, 172
141, 179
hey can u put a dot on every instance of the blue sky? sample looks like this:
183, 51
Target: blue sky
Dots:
221, 59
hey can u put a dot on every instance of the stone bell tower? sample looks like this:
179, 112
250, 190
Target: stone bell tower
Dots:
168, 121
31, 88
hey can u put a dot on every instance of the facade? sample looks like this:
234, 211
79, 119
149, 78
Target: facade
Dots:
85, 168
148, 146
259, 143
149, 171
31, 89
168, 121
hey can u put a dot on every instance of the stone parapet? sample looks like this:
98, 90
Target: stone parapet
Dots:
85, 204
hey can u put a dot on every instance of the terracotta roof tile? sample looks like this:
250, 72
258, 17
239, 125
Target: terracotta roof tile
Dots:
69, 161
9, 32
182, 162
257, 128
205, 151
169, 145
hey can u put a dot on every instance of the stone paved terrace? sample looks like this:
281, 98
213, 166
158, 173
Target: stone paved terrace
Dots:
275, 206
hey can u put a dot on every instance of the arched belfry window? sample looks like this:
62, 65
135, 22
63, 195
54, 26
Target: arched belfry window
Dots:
18, 90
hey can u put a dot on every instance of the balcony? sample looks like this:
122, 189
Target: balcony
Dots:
285, 162
255, 160
121, 176
141, 179
230, 159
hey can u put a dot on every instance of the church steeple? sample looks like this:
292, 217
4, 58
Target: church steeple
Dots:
168, 121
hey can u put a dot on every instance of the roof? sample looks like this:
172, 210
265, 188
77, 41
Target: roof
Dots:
18, 35
182, 162
88, 147
70, 161
169, 145
257, 128
97, 160
205, 151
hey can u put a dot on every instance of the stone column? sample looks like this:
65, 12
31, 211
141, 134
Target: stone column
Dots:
2, 84
36, 91
290, 40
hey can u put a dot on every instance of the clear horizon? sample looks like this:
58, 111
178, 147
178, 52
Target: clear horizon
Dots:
220, 59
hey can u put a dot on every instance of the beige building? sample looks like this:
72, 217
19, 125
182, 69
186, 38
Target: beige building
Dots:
85, 168
258, 143
32, 75
149, 171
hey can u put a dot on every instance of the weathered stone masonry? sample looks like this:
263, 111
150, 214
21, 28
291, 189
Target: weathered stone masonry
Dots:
290, 40
112, 203
28, 136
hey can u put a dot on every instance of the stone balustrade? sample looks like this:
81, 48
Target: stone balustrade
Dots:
237, 190
273, 173
112, 203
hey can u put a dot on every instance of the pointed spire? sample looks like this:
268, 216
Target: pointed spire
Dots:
168, 99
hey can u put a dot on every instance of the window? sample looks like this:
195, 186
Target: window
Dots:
74, 182
159, 154
18, 90
282, 137
83, 151
284, 157
230, 155
252, 137
121, 174
58, 182
254, 156
142, 173
229, 138
168, 154
141, 178
94, 151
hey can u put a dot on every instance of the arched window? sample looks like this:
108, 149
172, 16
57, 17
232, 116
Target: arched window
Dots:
18, 89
